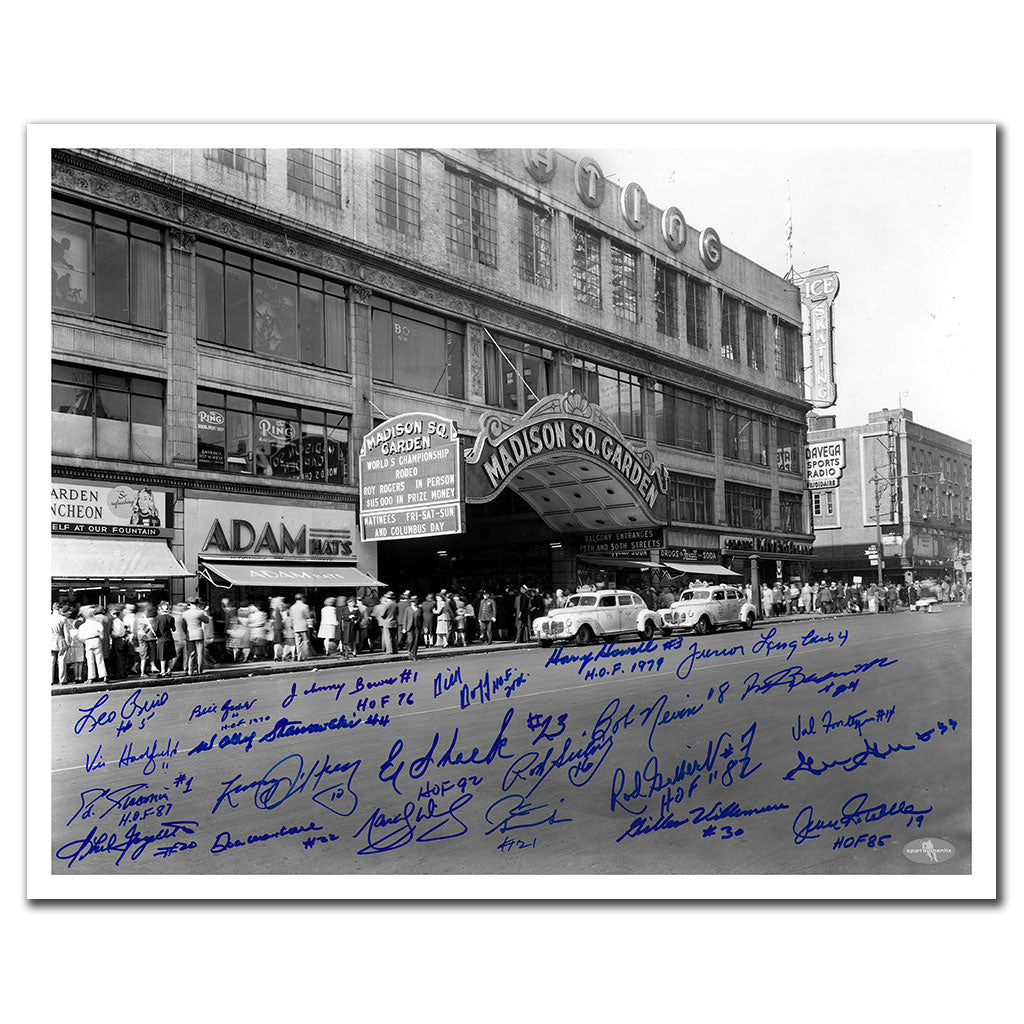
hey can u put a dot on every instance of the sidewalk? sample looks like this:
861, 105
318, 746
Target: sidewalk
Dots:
251, 669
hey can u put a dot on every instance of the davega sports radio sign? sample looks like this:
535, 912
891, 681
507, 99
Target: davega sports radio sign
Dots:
825, 462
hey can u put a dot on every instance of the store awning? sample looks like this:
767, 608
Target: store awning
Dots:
86, 558
262, 574
701, 569
619, 563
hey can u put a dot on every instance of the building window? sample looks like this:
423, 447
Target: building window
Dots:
744, 435
268, 309
316, 174
96, 414
747, 508
683, 418
586, 267
696, 313
472, 219
518, 375
730, 328
791, 512
416, 349
248, 161
666, 300
823, 506
106, 266
260, 438
397, 190
789, 441
617, 393
755, 338
625, 288
788, 356
534, 245
691, 499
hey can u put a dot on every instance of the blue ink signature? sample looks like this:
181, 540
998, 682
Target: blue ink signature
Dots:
130, 709
795, 676
806, 826
122, 799
517, 812
829, 723
107, 842
403, 826
224, 842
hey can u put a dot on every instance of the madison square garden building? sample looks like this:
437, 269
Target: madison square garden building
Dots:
233, 328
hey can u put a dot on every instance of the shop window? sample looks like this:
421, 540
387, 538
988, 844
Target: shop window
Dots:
666, 300
316, 174
416, 349
691, 498
256, 306
791, 512
262, 438
472, 218
625, 285
789, 442
518, 374
744, 435
617, 393
397, 190
534, 245
586, 267
106, 266
730, 328
755, 338
747, 508
696, 313
683, 418
788, 353
249, 161
106, 415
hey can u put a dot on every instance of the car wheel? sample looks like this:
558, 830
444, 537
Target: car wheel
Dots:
666, 630
748, 622
584, 635
647, 633
703, 626
544, 643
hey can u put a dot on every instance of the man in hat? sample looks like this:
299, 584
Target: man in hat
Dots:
387, 616
411, 623
403, 603
523, 602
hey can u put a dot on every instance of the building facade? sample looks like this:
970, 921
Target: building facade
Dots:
228, 326
912, 482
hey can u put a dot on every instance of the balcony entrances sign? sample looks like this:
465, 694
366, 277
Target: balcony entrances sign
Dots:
410, 479
818, 291
825, 461
572, 464
120, 510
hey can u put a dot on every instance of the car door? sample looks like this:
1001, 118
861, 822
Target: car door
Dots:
718, 608
608, 616
731, 607
629, 612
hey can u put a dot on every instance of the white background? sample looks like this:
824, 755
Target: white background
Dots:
530, 63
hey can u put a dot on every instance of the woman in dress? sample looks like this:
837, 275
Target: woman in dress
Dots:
145, 639
442, 621
257, 623
163, 627
328, 631
76, 650
275, 627
238, 634
350, 628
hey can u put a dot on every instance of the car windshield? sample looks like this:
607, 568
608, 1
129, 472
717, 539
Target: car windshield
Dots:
695, 595
581, 601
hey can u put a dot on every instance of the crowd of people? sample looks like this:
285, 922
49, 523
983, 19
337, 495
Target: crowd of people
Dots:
92, 643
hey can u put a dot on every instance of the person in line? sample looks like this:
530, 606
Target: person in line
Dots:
257, 631
427, 610
60, 643
103, 618
180, 636
522, 609
350, 629
387, 620
442, 621
76, 653
412, 625
328, 631
195, 618
488, 613
275, 627
460, 622
145, 640
287, 633
825, 598
163, 627
299, 614
403, 603
90, 632
766, 601
806, 598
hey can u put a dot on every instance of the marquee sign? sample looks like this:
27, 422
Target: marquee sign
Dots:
825, 461
818, 291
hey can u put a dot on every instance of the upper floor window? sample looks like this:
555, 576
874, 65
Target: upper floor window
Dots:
586, 267
730, 328
397, 190
96, 414
316, 173
696, 313
534, 245
747, 508
744, 435
106, 265
666, 300
683, 418
789, 442
791, 512
625, 286
518, 375
254, 436
691, 499
269, 309
472, 218
823, 505
617, 393
788, 353
248, 161
755, 338
417, 349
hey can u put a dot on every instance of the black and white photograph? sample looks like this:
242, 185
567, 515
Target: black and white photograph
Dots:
460, 516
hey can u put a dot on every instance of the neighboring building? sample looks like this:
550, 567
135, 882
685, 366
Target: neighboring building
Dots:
228, 324
914, 481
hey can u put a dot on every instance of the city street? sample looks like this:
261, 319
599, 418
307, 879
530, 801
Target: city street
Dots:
806, 748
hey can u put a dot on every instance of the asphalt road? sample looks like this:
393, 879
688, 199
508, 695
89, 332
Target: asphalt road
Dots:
823, 754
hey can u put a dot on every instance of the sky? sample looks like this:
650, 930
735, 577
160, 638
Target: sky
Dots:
895, 223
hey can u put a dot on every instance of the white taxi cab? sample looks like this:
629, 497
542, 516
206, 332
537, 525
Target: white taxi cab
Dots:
597, 614
707, 608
